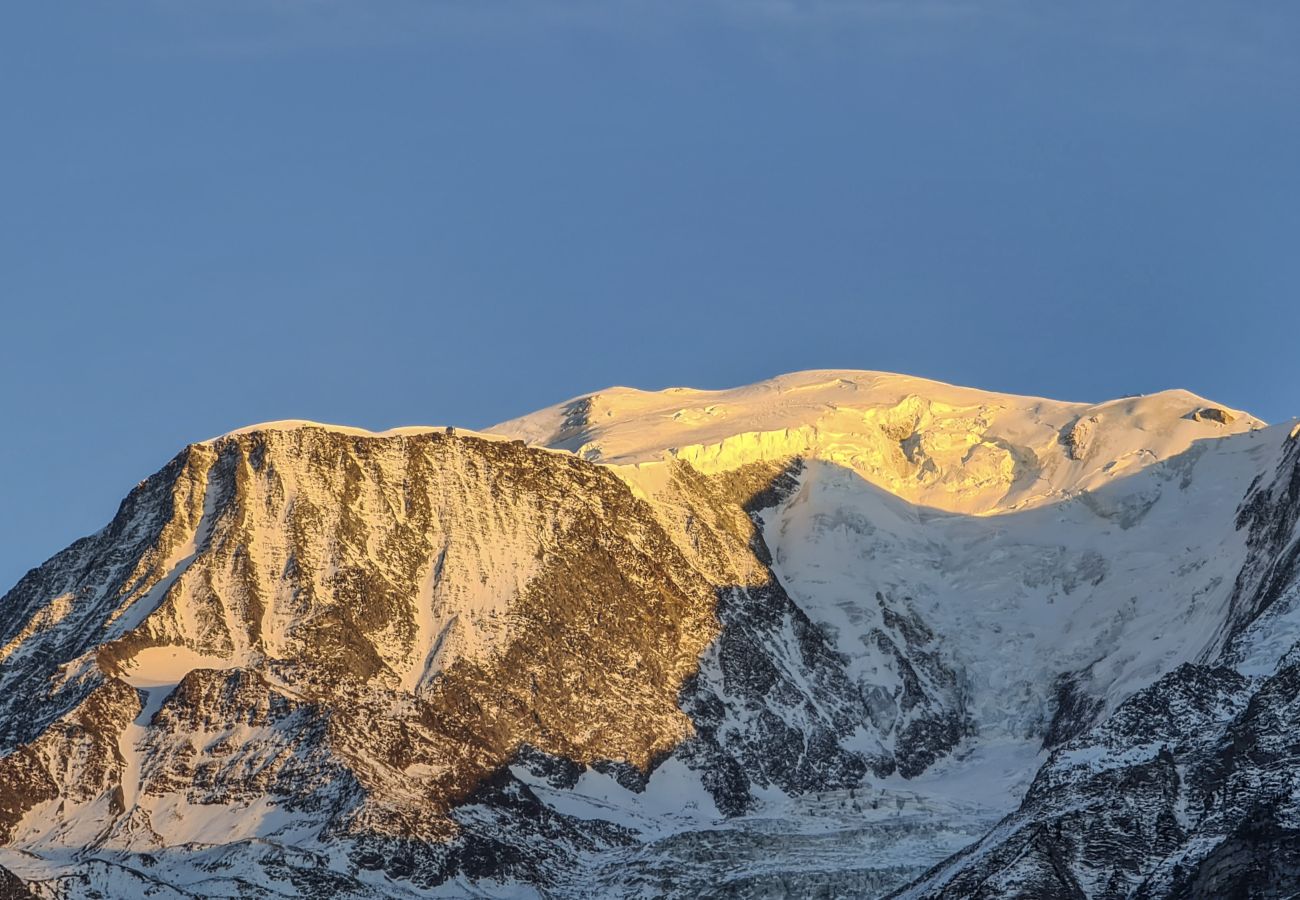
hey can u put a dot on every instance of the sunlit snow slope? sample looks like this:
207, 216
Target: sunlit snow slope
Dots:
937, 445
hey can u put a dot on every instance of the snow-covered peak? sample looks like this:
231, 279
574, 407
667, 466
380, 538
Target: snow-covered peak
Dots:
301, 650
939, 445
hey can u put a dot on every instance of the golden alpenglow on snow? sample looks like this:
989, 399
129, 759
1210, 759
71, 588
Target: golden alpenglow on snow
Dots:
838, 633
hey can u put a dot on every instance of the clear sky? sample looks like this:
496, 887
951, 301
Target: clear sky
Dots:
218, 212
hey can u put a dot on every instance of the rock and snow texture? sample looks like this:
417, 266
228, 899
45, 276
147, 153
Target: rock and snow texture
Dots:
1192, 787
815, 636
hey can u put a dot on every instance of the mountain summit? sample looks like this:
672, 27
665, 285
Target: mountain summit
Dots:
836, 633
932, 444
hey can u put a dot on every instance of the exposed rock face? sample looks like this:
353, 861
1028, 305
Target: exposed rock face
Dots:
75, 761
773, 657
1269, 517
12, 887
1077, 437
1187, 791
1213, 414
380, 625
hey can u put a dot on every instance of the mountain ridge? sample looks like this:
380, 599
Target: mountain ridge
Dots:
599, 639
953, 448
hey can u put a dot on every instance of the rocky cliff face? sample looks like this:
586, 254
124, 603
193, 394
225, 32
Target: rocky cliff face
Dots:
755, 661
356, 631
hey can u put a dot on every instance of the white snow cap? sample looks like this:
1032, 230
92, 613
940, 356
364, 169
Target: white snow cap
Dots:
939, 445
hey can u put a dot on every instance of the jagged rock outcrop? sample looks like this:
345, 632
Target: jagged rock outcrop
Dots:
12, 887
1213, 414
1268, 516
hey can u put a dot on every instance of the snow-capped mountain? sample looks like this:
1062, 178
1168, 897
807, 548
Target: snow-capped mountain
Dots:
833, 634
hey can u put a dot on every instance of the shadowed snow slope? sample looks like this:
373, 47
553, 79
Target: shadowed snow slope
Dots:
810, 636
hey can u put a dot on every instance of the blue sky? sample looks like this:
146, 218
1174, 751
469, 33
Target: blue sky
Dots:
382, 213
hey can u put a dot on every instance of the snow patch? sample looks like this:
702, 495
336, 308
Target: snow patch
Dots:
155, 667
